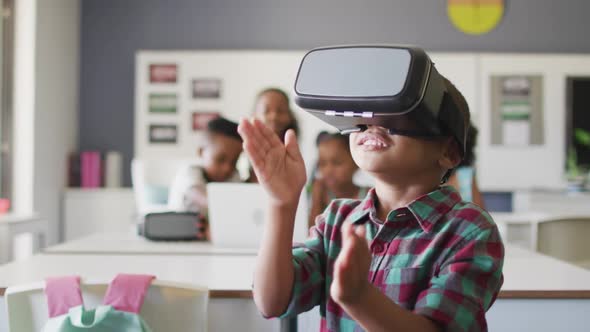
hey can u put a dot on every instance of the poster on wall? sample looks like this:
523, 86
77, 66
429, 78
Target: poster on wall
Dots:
209, 88
163, 73
200, 119
163, 133
162, 103
517, 110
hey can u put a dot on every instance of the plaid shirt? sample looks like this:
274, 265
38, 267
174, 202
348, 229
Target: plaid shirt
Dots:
439, 257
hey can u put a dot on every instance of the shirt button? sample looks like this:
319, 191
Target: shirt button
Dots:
378, 248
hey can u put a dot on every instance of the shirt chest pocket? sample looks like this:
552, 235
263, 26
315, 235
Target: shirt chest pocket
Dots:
403, 285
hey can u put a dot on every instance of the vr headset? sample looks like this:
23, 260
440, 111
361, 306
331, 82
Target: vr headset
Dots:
395, 87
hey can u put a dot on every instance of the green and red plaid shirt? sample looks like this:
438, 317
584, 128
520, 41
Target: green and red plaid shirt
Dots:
439, 257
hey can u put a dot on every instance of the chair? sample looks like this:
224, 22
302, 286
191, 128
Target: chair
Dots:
168, 306
565, 239
151, 181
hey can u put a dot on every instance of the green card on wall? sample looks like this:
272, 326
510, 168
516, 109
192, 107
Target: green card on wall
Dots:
163, 102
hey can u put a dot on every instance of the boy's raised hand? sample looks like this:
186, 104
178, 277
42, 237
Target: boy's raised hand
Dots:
351, 269
279, 167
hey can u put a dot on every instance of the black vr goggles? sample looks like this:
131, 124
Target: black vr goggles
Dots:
395, 87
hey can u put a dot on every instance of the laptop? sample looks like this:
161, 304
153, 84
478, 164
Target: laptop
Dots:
237, 213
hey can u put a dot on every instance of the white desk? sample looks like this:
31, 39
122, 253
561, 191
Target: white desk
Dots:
218, 273
529, 274
229, 279
522, 228
539, 292
519, 228
132, 244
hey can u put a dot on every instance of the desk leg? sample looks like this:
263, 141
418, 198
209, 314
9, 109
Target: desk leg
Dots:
39, 242
3, 313
6, 245
535, 235
289, 324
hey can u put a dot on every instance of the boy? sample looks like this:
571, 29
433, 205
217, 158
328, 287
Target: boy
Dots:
219, 154
411, 256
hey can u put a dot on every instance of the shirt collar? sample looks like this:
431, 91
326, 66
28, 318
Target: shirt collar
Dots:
427, 209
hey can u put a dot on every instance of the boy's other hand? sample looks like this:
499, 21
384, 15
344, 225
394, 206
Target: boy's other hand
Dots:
279, 168
351, 269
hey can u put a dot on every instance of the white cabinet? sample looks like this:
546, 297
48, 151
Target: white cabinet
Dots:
534, 207
552, 202
87, 211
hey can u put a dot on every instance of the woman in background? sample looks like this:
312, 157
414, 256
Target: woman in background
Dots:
273, 108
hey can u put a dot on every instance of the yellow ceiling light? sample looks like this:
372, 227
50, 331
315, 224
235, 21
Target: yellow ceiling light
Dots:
475, 17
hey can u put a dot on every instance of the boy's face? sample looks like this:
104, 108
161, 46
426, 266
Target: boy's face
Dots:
272, 109
220, 157
335, 164
401, 157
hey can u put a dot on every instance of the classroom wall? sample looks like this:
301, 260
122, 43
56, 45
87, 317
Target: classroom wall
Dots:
56, 104
112, 31
243, 74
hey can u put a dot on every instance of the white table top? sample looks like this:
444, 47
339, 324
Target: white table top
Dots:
518, 217
528, 271
218, 273
531, 217
132, 244
526, 274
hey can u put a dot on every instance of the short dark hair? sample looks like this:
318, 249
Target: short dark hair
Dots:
293, 124
225, 127
460, 102
324, 136
471, 142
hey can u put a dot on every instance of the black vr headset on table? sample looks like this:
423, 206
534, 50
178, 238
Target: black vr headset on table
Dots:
395, 87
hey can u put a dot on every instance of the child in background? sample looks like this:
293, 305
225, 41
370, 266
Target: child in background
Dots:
333, 175
221, 149
463, 178
410, 256
273, 108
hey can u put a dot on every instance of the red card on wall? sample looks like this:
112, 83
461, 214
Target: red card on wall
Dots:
201, 119
163, 73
